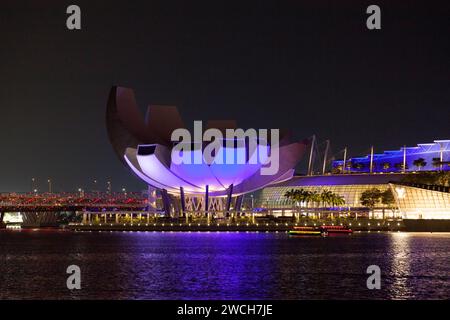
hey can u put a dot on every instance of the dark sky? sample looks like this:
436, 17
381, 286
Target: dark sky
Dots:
312, 66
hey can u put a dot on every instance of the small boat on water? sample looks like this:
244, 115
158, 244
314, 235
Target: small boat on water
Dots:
305, 231
326, 230
320, 231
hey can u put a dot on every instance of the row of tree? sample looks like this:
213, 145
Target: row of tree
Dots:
370, 198
324, 198
418, 163
439, 178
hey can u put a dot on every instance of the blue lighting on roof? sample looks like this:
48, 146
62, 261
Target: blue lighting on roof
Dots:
392, 160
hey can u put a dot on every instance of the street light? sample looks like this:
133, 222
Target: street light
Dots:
49, 185
32, 184
109, 186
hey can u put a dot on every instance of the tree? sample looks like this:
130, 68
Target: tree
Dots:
337, 200
439, 178
358, 165
437, 162
337, 169
370, 198
299, 195
399, 166
326, 197
386, 165
387, 199
420, 163
348, 166
330, 198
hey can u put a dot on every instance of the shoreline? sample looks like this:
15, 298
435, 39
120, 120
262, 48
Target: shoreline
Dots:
183, 227
405, 225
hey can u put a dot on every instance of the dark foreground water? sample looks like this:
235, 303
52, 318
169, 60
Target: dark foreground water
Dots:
141, 265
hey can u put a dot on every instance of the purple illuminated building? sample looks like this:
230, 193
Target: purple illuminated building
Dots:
425, 156
144, 145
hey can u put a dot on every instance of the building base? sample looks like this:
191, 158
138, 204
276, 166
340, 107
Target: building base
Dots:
427, 225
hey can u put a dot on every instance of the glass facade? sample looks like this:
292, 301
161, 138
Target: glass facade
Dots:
420, 203
411, 202
273, 197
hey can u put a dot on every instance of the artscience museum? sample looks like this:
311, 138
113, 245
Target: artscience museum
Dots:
236, 166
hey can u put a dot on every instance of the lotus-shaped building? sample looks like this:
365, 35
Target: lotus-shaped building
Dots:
144, 144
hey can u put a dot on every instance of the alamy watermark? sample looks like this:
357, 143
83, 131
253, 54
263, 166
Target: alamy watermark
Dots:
237, 147
73, 21
374, 280
74, 280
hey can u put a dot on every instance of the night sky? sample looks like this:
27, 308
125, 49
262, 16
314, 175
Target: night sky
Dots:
311, 66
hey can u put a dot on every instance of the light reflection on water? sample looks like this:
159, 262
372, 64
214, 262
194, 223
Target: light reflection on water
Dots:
150, 265
400, 266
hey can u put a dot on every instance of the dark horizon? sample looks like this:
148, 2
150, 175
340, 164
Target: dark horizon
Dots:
311, 67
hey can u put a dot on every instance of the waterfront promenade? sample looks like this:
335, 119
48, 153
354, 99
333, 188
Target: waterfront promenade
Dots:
243, 224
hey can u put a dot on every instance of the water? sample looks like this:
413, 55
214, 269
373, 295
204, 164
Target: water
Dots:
148, 265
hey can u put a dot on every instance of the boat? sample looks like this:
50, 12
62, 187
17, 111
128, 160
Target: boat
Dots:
320, 231
326, 230
305, 231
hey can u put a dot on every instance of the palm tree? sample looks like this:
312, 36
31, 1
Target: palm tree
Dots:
358, 165
420, 163
337, 169
348, 166
386, 165
298, 195
399, 166
337, 200
437, 162
326, 197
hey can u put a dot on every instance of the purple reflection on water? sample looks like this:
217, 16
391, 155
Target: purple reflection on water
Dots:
140, 265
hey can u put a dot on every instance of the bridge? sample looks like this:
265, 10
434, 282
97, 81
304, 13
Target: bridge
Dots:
43, 209
65, 201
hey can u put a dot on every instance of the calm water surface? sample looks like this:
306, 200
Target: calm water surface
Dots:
147, 265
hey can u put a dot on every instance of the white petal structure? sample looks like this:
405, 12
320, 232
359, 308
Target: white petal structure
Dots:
145, 147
